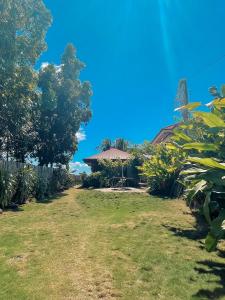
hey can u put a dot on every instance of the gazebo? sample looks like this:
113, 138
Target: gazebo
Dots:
111, 154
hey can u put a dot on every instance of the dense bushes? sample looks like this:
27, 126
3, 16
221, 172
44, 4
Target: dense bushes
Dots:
19, 186
96, 180
162, 170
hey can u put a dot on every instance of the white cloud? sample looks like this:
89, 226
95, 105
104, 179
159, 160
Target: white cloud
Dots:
81, 135
78, 167
58, 68
44, 65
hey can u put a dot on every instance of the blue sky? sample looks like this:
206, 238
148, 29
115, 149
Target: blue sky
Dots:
135, 52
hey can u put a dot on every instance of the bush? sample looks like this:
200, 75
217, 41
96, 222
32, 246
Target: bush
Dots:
18, 186
41, 188
95, 180
162, 170
7, 188
60, 181
25, 185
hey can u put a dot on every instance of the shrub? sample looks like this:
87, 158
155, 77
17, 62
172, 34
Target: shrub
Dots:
7, 188
162, 170
61, 180
25, 184
95, 180
41, 188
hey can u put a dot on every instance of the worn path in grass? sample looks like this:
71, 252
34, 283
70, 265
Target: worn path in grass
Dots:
94, 245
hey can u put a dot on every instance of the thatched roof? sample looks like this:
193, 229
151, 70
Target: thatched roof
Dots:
111, 154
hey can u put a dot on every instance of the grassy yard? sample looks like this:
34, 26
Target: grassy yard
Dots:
93, 245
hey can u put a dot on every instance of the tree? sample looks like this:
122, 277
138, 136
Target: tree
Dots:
64, 106
121, 144
23, 25
105, 145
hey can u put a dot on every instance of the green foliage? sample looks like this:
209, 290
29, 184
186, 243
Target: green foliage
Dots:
110, 168
60, 180
106, 144
7, 188
25, 184
42, 188
120, 144
23, 26
41, 112
162, 169
16, 187
95, 180
205, 169
63, 107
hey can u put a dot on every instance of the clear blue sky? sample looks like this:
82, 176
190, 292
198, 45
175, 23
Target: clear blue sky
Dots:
135, 52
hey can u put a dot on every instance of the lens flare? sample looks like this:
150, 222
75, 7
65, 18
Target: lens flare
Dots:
164, 6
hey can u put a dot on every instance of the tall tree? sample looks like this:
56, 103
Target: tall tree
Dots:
64, 106
23, 25
121, 144
106, 144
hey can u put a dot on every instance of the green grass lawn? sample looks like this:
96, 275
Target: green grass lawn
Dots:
93, 245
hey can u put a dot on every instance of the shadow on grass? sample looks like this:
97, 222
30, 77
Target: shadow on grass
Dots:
52, 198
14, 209
197, 233
208, 267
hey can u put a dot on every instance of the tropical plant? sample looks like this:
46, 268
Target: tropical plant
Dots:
106, 144
25, 184
7, 188
203, 139
162, 169
121, 144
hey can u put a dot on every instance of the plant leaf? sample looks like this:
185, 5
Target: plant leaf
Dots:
182, 135
201, 146
210, 243
189, 106
206, 210
208, 162
210, 119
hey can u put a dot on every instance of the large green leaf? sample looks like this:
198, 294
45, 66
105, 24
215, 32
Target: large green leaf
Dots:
192, 171
201, 146
216, 231
219, 103
210, 119
215, 177
210, 243
189, 106
208, 162
181, 135
206, 209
